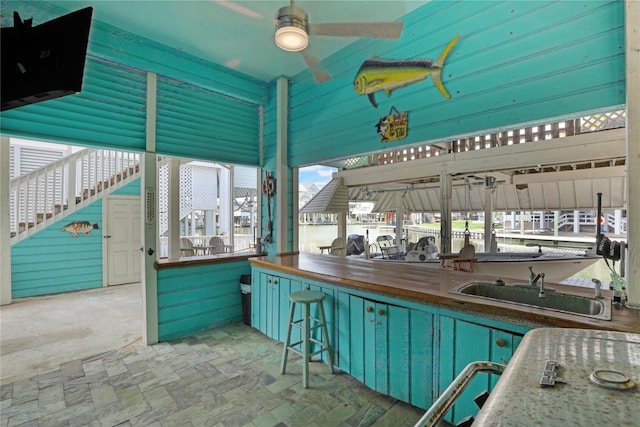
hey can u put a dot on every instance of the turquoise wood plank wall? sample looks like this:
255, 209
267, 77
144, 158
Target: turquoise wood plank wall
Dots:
52, 261
198, 123
110, 111
516, 62
210, 297
131, 189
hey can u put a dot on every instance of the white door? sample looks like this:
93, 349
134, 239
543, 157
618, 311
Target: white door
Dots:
122, 240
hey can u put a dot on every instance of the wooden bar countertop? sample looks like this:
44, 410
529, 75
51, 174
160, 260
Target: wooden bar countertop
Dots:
432, 285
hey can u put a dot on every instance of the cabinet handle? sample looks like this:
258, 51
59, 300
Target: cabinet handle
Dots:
369, 309
381, 312
500, 342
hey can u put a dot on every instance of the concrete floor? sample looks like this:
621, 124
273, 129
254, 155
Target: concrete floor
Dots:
38, 334
77, 359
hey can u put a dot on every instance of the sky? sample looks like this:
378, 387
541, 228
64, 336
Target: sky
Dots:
317, 174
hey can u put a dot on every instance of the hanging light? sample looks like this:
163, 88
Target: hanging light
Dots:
292, 29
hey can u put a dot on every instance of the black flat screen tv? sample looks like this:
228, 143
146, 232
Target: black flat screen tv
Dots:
43, 62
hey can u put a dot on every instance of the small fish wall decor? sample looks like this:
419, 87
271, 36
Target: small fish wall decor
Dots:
376, 74
394, 126
80, 227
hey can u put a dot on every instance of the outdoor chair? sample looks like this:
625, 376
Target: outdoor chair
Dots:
466, 256
216, 245
338, 247
186, 247
388, 248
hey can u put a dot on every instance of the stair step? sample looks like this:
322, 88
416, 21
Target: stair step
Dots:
57, 208
23, 226
42, 216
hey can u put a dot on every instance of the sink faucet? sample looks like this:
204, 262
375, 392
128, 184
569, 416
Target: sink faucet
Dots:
533, 278
598, 285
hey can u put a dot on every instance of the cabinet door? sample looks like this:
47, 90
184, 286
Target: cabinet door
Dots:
259, 290
272, 307
387, 347
328, 304
462, 343
376, 346
286, 287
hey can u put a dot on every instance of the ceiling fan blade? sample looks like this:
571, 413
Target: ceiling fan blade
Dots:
238, 8
377, 30
312, 62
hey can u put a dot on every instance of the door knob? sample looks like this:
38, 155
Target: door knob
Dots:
381, 312
500, 342
369, 309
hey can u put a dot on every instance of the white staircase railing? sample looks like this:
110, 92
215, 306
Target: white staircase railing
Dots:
52, 192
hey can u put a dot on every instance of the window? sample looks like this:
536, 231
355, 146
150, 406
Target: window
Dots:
215, 201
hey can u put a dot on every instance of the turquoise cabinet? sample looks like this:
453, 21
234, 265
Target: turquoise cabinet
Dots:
387, 347
270, 303
406, 349
462, 342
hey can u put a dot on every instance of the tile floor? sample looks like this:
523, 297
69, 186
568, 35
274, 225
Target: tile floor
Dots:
227, 376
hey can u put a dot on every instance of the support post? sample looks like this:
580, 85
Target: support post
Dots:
488, 217
632, 51
149, 201
173, 219
445, 211
399, 220
282, 166
5, 224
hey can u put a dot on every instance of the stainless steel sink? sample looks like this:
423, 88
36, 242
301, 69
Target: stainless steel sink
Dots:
596, 308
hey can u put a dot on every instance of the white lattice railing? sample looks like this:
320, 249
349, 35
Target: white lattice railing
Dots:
596, 122
52, 192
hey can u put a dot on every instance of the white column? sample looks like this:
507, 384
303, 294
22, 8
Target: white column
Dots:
445, 211
5, 224
556, 219
632, 50
173, 217
618, 219
399, 219
488, 217
149, 200
296, 208
226, 208
576, 221
232, 229
542, 224
342, 227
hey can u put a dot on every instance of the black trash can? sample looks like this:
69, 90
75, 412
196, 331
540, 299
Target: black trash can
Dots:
245, 288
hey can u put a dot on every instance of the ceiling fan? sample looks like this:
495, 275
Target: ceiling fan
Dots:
292, 31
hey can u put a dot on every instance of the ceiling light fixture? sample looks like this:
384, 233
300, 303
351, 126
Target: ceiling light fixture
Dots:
292, 29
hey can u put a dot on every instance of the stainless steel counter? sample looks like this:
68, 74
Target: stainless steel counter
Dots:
519, 400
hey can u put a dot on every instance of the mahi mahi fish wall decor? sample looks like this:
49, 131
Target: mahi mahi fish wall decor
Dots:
377, 74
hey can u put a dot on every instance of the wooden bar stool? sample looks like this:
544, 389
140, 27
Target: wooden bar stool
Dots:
306, 298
